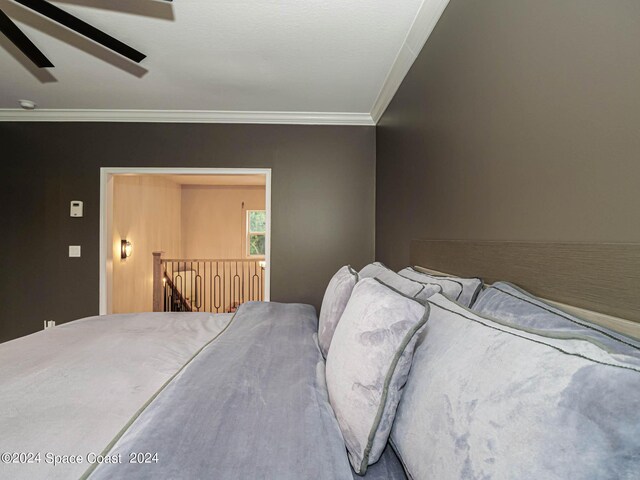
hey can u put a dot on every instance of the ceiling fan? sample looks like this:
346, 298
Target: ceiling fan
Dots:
43, 7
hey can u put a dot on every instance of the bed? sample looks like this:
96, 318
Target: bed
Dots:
168, 395
246, 395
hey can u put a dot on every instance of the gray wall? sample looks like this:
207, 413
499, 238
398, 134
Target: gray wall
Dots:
322, 210
520, 120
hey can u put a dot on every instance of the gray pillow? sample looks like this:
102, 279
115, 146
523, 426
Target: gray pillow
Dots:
418, 290
484, 400
368, 364
451, 288
462, 290
334, 302
508, 303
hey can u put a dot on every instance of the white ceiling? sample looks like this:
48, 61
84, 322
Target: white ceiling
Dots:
325, 56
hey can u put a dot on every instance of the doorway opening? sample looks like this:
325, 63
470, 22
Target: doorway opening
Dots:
184, 239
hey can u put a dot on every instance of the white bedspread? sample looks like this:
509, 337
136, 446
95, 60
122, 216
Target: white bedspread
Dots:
69, 390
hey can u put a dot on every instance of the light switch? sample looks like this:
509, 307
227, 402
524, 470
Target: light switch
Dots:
75, 251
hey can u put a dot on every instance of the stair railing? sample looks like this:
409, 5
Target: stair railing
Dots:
206, 285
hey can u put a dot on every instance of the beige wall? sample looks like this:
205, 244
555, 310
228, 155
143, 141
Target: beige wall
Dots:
184, 221
146, 211
214, 220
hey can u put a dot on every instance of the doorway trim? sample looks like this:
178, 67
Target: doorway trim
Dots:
106, 207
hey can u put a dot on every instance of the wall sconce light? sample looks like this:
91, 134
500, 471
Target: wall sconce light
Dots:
125, 249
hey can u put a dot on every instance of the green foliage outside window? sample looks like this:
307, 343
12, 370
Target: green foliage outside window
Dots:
256, 244
257, 221
257, 232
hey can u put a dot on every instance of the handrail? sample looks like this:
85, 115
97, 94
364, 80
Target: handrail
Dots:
255, 259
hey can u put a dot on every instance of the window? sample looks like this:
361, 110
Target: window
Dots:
256, 232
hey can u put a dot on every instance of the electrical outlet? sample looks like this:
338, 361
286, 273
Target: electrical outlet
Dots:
49, 324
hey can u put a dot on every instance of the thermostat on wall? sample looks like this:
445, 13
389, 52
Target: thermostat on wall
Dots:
76, 208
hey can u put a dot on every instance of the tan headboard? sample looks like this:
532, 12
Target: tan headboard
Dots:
602, 277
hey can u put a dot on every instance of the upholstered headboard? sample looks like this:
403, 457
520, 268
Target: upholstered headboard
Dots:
602, 278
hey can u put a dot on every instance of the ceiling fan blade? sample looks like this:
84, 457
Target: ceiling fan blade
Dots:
20, 40
83, 28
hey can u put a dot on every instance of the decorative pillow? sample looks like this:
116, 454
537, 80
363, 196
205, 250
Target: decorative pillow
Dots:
419, 291
462, 290
484, 400
450, 287
508, 303
333, 304
368, 364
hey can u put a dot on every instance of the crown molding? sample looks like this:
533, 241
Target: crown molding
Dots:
426, 19
186, 116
